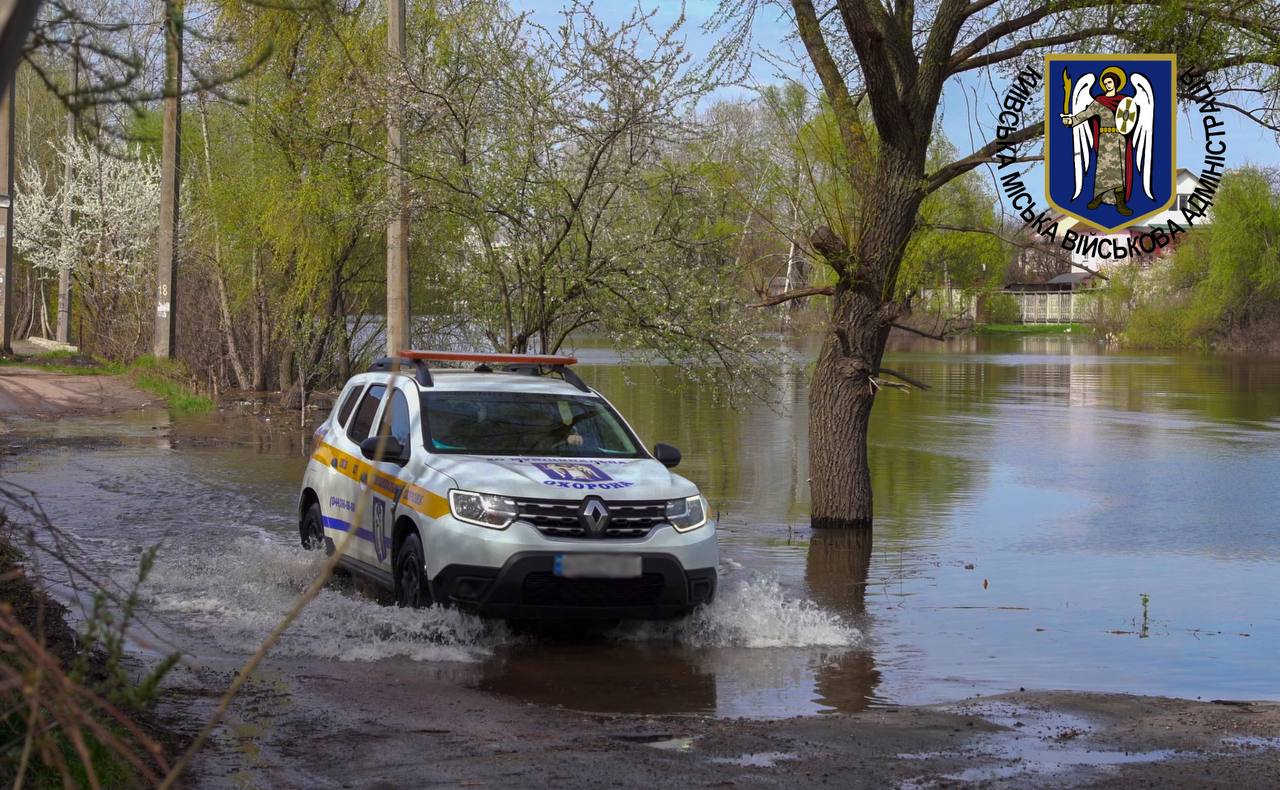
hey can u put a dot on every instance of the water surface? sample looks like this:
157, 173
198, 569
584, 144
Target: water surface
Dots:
1024, 506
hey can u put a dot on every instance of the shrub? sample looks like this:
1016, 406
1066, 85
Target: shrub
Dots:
1001, 308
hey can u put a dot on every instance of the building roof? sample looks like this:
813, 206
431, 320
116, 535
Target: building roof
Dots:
1070, 278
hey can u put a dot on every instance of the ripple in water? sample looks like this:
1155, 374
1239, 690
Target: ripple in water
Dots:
236, 595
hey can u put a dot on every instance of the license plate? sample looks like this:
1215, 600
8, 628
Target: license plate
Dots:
598, 566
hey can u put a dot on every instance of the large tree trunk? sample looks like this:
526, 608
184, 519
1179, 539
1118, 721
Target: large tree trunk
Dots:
840, 400
863, 309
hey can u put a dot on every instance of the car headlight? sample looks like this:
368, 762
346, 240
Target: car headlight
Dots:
483, 510
688, 513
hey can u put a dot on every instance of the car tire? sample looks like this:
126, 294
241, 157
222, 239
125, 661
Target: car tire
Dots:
410, 575
311, 529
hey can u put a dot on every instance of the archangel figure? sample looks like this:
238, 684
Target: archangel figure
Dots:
1114, 129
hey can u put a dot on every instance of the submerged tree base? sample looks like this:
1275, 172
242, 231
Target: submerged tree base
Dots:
826, 523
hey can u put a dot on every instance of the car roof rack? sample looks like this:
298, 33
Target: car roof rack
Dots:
386, 364
525, 364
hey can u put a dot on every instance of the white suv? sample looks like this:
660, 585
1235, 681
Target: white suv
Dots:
512, 489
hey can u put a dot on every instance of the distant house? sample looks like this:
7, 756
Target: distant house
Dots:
1186, 184
1062, 297
1063, 283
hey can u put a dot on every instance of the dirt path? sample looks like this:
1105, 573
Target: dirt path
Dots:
36, 393
321, 724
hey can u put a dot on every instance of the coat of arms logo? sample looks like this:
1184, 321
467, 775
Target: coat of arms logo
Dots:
1110, 151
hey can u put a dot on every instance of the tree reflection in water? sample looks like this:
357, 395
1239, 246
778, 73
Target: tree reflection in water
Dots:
836, 573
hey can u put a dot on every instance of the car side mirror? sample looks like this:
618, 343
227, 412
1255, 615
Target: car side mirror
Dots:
392, 450
667, 455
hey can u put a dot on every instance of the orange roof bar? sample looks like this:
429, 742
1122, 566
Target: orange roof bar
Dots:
466, 356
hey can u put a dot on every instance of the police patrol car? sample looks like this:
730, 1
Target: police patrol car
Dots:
511, 489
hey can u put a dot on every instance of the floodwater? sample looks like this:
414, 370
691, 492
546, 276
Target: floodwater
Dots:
1026, 507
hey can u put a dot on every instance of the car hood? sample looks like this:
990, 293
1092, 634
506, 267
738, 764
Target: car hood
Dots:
615, 479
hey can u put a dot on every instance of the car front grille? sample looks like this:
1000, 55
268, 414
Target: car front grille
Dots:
558, 518
544, 589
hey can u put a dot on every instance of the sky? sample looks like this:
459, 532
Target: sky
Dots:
969, 102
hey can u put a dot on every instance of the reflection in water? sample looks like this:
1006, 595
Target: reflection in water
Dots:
836, 574
835, 569
603, 676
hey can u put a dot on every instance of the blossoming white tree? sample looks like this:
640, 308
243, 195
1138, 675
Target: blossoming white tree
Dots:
106, 240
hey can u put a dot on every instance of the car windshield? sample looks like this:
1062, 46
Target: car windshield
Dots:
524, 423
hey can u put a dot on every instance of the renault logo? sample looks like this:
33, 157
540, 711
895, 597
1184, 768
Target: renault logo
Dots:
593, 516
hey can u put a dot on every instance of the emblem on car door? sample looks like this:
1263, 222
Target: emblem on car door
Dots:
593, 515
380, 529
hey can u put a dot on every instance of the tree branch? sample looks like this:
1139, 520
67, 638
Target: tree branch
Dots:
981, 156
940, 336
999, 56
801, 293
913, 382
833, 84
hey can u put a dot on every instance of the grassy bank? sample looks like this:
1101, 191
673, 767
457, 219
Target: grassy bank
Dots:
1032, 329
71, 716
169, 380
164, 378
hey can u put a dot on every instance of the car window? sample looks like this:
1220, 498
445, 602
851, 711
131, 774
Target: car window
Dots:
363, 422
524, 423
395, 420
348, 403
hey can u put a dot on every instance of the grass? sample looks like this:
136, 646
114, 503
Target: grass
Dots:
1032, 329
168, 379
165, 378
51, 771
67, 362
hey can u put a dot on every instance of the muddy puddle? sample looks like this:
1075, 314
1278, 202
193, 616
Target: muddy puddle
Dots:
1048, 516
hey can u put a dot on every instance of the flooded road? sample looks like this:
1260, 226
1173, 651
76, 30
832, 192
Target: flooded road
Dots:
1026, 507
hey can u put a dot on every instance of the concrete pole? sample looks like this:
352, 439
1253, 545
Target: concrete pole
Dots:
6, 218
167, 247
398, 225
63, 334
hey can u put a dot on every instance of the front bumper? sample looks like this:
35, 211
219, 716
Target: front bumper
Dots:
526, 588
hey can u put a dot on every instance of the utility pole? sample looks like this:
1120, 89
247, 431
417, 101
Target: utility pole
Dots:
63, 334
6, 208
167, 248
398, 225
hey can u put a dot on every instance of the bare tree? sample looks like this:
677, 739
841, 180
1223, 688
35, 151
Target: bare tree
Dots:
575, 205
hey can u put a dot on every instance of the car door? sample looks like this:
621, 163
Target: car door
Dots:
388, 482
333, 484
360, 471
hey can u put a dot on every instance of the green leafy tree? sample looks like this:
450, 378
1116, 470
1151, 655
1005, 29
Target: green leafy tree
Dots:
292, 204
1222, 285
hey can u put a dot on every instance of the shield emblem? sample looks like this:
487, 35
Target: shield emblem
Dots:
1109, 142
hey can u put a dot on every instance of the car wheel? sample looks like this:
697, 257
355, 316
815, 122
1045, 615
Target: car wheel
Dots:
411, 584
312, 529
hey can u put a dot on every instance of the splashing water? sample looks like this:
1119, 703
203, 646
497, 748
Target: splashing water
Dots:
755, 613
238, 594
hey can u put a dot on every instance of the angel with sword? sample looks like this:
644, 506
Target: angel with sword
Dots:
1114, 129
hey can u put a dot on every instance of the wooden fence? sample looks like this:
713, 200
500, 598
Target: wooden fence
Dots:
1065, 307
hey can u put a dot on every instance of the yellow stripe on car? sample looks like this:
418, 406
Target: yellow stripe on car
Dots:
415, 497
